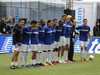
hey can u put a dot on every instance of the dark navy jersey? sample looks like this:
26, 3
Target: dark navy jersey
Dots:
41, 34
68, 29
58, 33
34, 36
83, 32
63, 32
48, 36
53, 33
27, 31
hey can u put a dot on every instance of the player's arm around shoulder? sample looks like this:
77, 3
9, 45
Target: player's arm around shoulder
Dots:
78, 28
24, 28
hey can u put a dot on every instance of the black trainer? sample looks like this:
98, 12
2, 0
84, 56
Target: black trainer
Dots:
41, 64
73, 60
17, 66
34, 65
37, 65
53, 62
12, 67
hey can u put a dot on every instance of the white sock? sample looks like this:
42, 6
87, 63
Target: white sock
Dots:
12, 63
85, 51
52, 56
40, 57
44, 57
56, 56
66, 55
34, 61
26, 58
49, 56
81, 54
16, 63
21, 58
37, 57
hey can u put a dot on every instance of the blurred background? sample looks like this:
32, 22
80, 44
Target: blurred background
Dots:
50, 9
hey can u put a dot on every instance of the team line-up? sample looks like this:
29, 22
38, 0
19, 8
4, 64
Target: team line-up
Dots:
53, 40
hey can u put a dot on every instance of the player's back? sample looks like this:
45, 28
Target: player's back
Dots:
27, 31
48, 36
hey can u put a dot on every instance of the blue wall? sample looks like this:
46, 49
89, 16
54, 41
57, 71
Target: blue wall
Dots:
93, 46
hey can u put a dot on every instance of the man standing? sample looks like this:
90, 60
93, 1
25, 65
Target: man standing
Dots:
47, 52
53, 41
68, 29
72, 33
83, 38
96, 29
41, 40
34, 45
57, 38
62, 42
17, 38
27, 31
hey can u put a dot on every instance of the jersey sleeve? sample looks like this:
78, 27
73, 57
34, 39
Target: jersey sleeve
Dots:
24, 29
89, 29
45, 29
78, 28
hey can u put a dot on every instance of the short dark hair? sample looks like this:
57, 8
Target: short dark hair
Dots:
20, 19
41, 20
33, 22
64, 15
54, 20
48, 21
60, 21
84, 20
38, 22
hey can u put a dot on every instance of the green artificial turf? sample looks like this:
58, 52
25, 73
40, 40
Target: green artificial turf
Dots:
74, 68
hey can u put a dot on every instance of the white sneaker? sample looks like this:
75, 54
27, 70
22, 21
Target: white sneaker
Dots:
60, 61
63, 61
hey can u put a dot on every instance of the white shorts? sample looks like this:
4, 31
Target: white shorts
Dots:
54, 45
16, 48
57, 44
48, 47
67, 41
62, 41
34, 47
24, 48
41, 48
83, 43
